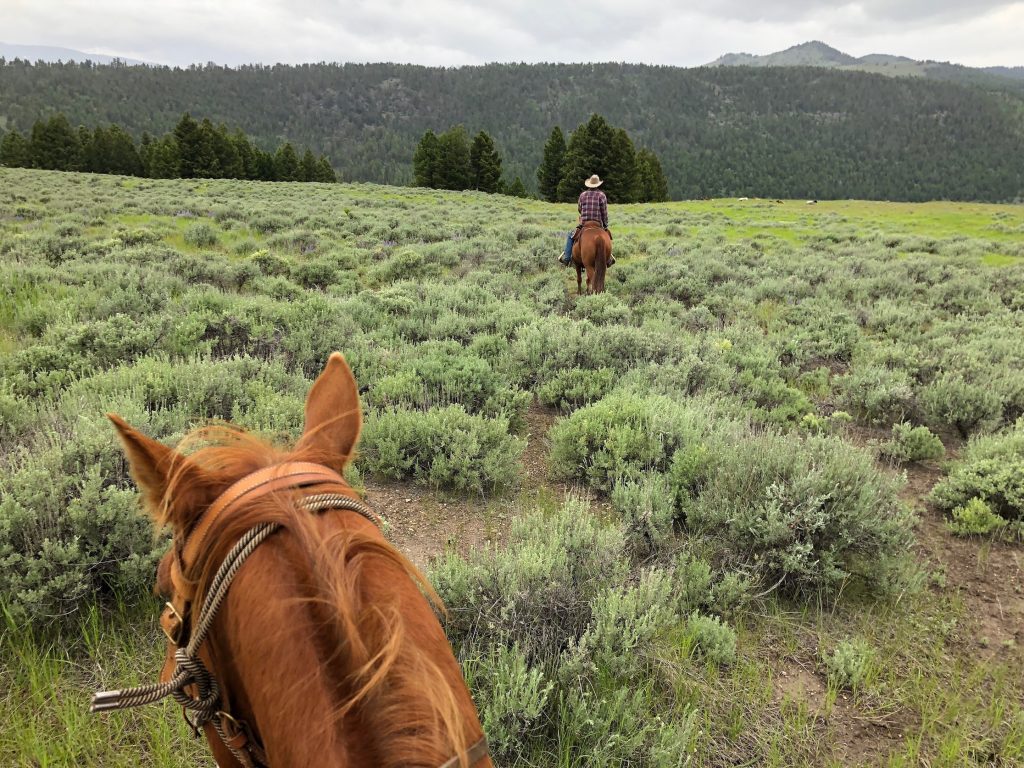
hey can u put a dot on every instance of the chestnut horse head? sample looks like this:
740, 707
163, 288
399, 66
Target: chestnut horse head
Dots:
325, 650
591, 252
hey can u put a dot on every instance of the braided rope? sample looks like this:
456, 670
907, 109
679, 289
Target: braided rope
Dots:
189, 668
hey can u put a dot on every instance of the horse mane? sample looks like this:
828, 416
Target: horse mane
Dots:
377, 669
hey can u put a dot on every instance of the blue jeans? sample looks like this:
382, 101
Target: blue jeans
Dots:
567, 256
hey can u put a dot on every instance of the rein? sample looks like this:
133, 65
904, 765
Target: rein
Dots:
189, 670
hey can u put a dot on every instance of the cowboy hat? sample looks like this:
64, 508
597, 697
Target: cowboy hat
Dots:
593, 181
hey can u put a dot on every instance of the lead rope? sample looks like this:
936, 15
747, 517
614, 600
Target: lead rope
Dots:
189, 668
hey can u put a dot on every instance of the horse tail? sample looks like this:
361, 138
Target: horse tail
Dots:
600, 263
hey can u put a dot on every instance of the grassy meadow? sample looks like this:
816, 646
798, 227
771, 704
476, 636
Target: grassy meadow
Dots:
762, 500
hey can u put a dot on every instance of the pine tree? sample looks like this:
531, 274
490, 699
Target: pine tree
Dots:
652, 187
517, 188
325, 171
589, 152
620, 169
266, 169
453, 170
188, 141
55, 145
164, 159
424, 162
123, 157
246, 154
89, 154
229, 162
307, 166
206, 161
15, 151
286, 163
550, 171
484, 163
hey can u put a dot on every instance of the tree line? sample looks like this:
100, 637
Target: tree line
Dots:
452, 161
629, 175
793, 132
194, 149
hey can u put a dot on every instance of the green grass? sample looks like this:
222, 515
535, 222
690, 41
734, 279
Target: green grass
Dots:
47, 685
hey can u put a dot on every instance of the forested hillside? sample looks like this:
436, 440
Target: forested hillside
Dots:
773, 132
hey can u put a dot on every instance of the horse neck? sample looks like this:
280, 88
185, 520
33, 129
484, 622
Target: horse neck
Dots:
293, 664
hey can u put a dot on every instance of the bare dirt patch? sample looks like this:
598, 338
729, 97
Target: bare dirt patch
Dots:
424, 523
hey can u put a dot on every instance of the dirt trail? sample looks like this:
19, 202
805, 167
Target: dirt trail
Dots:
424, 523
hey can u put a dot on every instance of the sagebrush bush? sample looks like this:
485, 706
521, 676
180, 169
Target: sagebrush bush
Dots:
560, 595
952, 401
441, 447
805, 515
849, 664
975, 518
436, 374
991, 470
878, 395
202, 234
648, 509
516, 701
711, 639
71, 532
910, 443
575, 387
624, 436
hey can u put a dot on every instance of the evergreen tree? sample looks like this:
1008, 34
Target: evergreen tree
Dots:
15, 151
265, 166
123, 157
589, 152
206, 160
324, 171
164, 159
307, 166
286, 163
246, 155
55, 145
485, 164
229, 162
88, 152
188, 140
620, 169
453, 170
652, 186
550, 171
517, 188
424, 162
146, 153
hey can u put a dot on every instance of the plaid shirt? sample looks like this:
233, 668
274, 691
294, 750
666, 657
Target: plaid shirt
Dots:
593, 206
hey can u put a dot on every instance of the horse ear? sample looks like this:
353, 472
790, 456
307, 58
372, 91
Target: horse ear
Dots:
156, 467
334, 417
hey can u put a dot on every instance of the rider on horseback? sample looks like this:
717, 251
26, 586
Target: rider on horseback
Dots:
593, 206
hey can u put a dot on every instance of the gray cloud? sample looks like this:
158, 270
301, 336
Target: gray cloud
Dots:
455, 32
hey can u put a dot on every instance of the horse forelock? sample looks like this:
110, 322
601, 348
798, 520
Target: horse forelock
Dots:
355, 593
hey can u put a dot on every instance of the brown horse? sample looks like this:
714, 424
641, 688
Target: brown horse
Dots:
591, 252
325, 651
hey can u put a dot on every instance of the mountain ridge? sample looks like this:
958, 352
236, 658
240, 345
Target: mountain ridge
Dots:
816, 53
53, 54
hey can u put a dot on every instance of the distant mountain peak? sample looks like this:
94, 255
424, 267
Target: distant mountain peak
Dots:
51, 53
815, 53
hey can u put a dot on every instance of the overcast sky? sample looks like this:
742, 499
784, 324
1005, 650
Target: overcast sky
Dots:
456, 32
